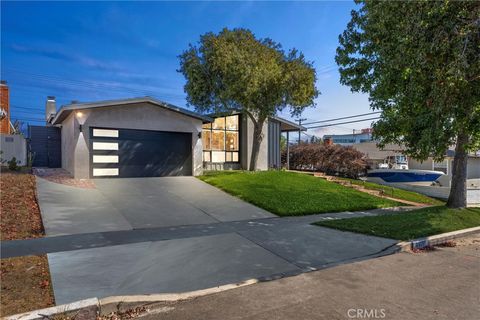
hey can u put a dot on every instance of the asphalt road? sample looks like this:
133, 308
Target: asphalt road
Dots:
440, 284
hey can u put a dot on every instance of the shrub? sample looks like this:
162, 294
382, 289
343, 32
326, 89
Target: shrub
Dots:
333, 159
13, 164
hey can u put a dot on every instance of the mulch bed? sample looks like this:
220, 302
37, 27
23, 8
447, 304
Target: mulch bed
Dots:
62, 176
26, 285
20, 215
25, 281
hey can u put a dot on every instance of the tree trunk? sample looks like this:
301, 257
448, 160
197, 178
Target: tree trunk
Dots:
458, 190
257, 140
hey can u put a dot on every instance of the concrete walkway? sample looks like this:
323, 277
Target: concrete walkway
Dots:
442, 284
36, 246
185, 258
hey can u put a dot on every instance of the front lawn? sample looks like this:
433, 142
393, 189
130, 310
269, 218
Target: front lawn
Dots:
293, 194
395, 192
407, 226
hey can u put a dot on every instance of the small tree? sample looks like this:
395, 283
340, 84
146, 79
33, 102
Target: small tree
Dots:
234, 71
420, 63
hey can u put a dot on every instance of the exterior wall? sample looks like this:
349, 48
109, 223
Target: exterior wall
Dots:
419, 165
68, 145
274, 133
13, 145
473, 168
246, 145
141, 116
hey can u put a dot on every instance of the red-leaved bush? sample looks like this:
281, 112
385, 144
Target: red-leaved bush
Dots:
332, 160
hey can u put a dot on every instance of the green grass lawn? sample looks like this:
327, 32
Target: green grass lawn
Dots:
293, 194
395, 192
407, 226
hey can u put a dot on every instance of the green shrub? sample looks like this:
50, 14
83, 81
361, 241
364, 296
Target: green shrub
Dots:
13, 164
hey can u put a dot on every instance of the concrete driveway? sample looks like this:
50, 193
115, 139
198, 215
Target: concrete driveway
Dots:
136, 203
164, 235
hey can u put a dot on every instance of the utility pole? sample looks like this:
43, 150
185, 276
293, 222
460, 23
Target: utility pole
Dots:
300, 131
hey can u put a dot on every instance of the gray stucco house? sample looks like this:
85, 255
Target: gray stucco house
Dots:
143, 137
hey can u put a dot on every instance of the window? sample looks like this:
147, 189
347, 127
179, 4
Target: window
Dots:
221, 140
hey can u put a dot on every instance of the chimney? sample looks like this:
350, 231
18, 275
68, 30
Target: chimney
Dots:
50, 108
5, 127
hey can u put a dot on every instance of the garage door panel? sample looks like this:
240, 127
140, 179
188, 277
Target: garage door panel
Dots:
143, 153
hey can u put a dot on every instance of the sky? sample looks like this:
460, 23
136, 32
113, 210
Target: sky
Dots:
91, 51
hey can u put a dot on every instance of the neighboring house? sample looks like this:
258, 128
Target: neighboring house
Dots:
5, 124
143, 137
365, 135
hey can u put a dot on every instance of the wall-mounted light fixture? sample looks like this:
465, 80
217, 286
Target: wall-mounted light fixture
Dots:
80, 128
200, 134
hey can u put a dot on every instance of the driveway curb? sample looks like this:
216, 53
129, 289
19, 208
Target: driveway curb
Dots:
89, 308
80, 310
436, 239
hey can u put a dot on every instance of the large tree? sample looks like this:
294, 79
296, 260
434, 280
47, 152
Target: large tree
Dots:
419, 61
234, 71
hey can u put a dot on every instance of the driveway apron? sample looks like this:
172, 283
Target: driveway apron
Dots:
71, 210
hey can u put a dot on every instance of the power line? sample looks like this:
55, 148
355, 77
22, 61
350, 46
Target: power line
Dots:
349, 117
335, 124
92, 85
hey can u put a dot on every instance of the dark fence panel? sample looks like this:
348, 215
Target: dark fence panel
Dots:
45, 143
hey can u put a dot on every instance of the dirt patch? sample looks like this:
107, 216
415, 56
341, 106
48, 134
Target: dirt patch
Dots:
20, 215
26, 285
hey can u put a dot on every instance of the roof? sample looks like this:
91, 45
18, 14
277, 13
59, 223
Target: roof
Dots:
66, 110
287, 125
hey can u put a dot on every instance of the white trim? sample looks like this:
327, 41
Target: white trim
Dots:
105, 172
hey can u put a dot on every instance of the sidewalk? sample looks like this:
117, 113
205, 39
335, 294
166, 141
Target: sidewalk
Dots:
440, 284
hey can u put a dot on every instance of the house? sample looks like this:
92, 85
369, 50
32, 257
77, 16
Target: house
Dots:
145, 137
5, 124
365, 135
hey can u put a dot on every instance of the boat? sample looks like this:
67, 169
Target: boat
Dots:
394, 169
411, 176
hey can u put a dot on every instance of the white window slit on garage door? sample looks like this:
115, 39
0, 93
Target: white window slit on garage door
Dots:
105, 159
105, 133
105, 146
97, 172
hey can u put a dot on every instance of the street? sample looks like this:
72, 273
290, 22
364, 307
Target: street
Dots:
439, 284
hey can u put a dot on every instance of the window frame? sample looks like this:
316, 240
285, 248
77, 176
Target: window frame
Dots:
209, 128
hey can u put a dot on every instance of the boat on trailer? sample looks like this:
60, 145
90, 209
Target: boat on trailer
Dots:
418, 177
395, 169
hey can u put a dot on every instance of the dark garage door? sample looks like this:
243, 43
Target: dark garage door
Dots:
140, 153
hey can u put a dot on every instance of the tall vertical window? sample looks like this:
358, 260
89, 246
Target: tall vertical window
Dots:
221, 140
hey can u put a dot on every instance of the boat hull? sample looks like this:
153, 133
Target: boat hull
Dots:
425, 177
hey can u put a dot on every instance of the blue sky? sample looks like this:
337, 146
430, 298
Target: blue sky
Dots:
89, 51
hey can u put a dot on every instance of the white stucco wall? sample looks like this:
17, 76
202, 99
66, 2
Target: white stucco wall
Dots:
13, 145
141, 116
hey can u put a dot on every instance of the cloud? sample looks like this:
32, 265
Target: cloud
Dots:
64, 56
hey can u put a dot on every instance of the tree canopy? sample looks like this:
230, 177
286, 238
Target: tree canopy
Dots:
233, 70
419, 61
